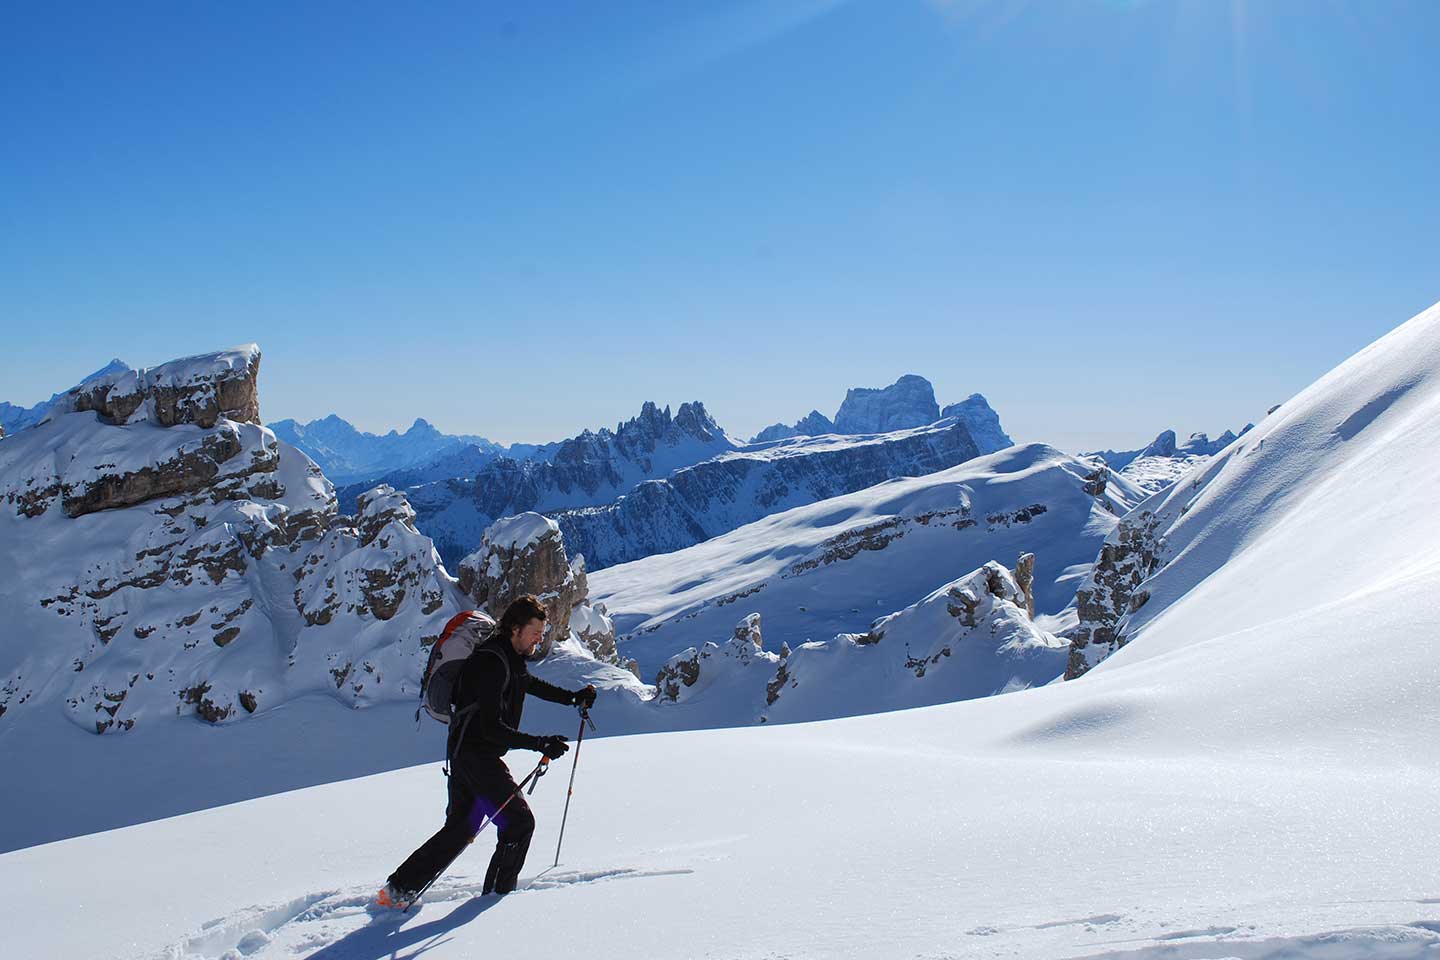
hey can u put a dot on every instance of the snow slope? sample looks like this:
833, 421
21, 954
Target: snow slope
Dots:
1189, 806
1255, 774
835, 566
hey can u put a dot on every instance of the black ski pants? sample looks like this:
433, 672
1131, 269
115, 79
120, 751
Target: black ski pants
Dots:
479, 784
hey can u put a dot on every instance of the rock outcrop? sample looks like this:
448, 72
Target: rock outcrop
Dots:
972, 637
1129, 556
526, 554
199, 390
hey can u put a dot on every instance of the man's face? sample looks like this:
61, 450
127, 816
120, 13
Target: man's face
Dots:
527, 638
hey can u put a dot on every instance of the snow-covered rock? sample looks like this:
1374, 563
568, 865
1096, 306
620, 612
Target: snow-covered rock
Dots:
971, 637
199, 390
525, 554
908, 402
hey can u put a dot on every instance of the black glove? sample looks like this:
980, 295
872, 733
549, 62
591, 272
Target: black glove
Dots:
585, 699
553, 746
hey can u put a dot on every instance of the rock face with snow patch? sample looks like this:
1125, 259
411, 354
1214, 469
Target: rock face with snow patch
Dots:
908, 402
198, 390
1132, 552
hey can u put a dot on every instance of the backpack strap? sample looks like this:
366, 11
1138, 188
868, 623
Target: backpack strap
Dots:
468, 711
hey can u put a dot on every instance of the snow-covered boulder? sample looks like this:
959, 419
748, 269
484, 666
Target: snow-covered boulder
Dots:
526, 554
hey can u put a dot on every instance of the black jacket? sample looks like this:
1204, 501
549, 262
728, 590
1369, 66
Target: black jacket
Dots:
493, 727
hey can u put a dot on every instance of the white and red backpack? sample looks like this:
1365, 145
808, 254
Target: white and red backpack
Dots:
462, 636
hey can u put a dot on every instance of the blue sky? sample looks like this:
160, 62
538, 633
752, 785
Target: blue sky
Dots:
518, 220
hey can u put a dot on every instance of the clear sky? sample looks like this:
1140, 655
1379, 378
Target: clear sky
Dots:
520, 219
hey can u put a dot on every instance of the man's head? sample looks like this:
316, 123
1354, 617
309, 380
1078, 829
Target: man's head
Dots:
523, 624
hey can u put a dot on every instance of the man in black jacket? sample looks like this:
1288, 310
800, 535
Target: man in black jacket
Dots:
489, 697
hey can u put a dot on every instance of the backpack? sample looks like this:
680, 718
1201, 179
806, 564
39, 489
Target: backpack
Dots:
462, 636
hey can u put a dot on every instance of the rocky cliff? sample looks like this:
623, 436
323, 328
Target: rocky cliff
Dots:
726, 492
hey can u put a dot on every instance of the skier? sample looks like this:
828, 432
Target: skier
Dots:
494, 679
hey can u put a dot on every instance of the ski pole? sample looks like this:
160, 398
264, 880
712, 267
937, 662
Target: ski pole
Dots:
489, 818
584, 719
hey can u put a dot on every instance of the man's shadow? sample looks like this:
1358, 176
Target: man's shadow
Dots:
382, 937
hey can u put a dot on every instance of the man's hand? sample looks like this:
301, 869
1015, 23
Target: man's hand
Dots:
553, 746
585, 699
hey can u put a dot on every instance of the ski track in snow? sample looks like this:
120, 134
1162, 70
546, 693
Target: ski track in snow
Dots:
246, 932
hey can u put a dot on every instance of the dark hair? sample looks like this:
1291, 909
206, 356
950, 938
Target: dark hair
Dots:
521, 611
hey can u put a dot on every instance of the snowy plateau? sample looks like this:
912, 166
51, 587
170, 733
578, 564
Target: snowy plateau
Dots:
839, 729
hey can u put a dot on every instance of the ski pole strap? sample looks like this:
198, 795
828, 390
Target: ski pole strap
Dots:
537, 773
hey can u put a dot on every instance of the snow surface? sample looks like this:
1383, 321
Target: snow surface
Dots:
1138, 812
